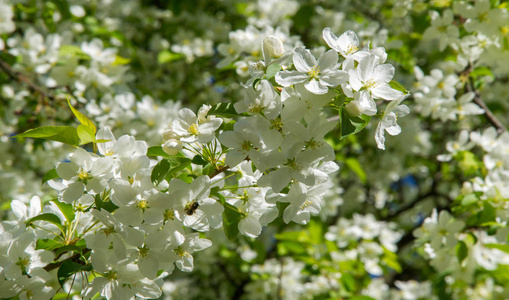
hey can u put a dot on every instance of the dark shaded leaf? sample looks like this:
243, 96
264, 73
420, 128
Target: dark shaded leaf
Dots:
225, 110
167, 167
351, 125
231, 219
69, 268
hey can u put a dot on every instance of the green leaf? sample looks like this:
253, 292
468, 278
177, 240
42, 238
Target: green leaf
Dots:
119, 61
68, 268
51, 174
468, 162
187, 178
393, 264
256, 81
227, 126
198, 160
66, 209
160, 170
48, 11
157, 151
225, 110
72, 50
395, 85
106, 205
289, 236
469, 200
231, 219
51, 218
481, 72
350, 124
315, 232
261, 252
504, 248
487, 215
291, 248
362, 297
85, 134
353, 164
167, 167
166, 56
69, 248
83, 119
461, 251
64, 134
348, 282
47, 244
391, 260
302, 19
272, 70
63, 7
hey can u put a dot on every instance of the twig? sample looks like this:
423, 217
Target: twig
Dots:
75, 258
489, 115
22, 78
218, 171
487, 112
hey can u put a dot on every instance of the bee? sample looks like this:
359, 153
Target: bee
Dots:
191, 208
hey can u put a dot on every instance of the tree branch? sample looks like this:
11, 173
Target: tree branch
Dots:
489, 115
219, 171
487, 112
23, 79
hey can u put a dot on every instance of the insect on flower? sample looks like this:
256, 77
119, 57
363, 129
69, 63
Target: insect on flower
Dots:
191, 208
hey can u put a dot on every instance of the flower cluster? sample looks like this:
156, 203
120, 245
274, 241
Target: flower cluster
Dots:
184, 181
132, 220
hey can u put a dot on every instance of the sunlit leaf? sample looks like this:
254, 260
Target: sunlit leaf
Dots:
64, 134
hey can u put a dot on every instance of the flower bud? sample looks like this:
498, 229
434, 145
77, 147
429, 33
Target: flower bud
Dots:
169, 133
172, 146
273, 47
202, 113
354, 108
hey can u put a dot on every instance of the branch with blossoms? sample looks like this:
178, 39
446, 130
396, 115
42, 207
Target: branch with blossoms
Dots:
130, 214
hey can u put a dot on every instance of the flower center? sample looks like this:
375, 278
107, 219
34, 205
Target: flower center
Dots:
193, 129
142, 204
277, 124
294, 167
306, 204
181, 252
314, 72
23, 263
370, 84
108, 230
314, 144
143, 251
246, 145
351, 49
169, 214
255, 109
111, 275
84, 176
